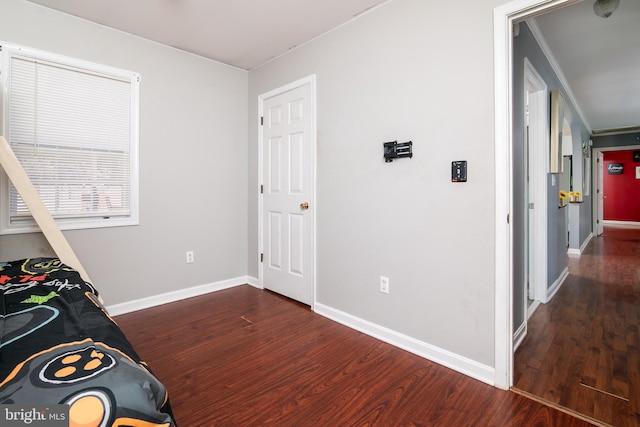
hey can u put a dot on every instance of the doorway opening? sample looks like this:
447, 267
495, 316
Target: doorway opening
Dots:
505, 17
599, 194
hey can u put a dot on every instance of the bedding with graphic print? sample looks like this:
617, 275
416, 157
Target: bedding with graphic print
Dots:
58, 345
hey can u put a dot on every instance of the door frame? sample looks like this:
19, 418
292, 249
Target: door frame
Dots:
537, 247
309, 80
598, 200
596, 185
503, 19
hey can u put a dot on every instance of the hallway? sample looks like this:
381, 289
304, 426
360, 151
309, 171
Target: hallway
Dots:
582, 349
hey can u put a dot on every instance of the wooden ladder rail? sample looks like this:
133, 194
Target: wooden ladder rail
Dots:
39, 211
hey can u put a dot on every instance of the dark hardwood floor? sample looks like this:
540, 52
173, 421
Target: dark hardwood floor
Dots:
582, 349
247, 357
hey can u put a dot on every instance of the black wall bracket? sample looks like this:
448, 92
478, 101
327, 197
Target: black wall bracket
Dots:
396, 150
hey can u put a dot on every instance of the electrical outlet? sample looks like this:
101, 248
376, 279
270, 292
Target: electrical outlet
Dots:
190, 258
384, 284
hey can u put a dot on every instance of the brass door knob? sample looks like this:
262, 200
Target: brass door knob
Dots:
304, 205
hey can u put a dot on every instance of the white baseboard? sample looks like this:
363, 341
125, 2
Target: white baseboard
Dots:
532, 308
253, 281
438, 355
578, 252
586, 242
555, 287
518, 337
153, 301
623, 224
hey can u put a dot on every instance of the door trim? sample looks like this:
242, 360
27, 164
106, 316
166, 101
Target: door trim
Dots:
538, 131
309, 80
536, 87
594, 178
503, 19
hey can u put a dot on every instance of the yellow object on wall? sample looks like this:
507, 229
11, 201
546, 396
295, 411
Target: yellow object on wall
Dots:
563, 197
575, 196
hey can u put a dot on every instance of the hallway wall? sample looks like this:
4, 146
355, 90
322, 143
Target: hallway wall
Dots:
525, 45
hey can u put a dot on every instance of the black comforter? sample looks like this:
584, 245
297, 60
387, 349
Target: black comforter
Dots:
58, 345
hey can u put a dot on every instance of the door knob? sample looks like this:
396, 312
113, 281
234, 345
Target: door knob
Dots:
304, 205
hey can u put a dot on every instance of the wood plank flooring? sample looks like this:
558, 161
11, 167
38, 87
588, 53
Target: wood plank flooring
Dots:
247, 357
582, 349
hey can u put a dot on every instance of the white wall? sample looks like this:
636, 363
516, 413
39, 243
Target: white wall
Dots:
193, 161
405, 71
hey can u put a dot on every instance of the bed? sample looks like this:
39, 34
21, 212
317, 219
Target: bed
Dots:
58, 345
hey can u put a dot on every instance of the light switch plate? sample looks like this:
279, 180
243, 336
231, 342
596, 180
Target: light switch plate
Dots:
459, 171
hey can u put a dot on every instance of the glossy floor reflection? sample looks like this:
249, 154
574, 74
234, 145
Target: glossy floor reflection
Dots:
582, 349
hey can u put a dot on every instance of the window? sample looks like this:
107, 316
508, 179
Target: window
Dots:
74, 127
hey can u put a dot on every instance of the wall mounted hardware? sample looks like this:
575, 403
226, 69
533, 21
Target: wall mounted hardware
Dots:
384, 285
459, 171
396, 150
615, 169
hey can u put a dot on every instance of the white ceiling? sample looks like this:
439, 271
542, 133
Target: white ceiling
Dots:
599, 58
242, 33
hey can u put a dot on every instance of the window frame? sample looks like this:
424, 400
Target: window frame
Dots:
78, 221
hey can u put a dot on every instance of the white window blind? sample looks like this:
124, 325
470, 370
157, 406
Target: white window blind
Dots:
73, 126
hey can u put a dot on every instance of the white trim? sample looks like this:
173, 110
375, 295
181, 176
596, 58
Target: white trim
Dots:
438, 355
555, 287
173, 296
311, 80
616, 148
503, 18
503, 176
622, 224
578, 252
539, 130
253, 281
573, 251
521, 333
531, 309
596, 188
586, 242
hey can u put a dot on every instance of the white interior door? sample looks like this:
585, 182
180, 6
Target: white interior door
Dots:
288, 195
600, 194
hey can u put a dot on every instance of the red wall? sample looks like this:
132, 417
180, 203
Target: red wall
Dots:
622, 192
